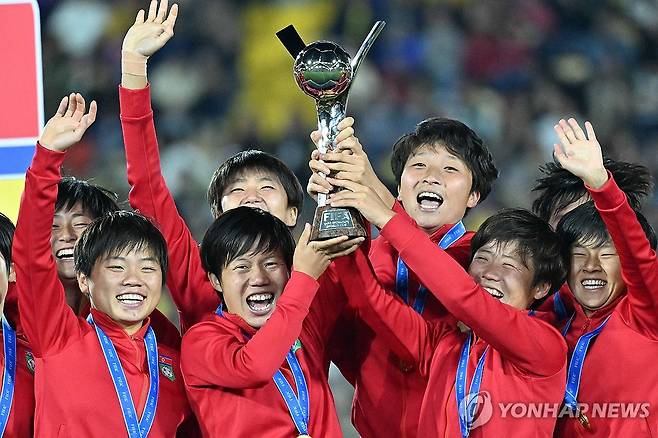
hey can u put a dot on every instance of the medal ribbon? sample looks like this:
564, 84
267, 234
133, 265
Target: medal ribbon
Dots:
402, 275
576, 366
298, 405
136, 428
465, 411
9, 373
561, 311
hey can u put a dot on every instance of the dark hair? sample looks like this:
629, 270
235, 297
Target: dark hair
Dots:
6, 236
459, 140
94, 200
558, 188
537, 243
253, 160
115, 233
237, 231
585, 226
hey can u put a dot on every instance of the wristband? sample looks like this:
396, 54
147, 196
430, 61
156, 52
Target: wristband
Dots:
133, 63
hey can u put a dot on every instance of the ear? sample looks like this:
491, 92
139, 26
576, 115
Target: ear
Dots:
84, 284
291, 216
12, 274
541, 290
216, 284
473, 199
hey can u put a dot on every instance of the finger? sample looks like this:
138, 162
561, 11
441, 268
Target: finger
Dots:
326, 244
319, 166
152, 10
350, 242
346, 251
140, 17
61, 109
579, 133
162, 11
344, 134
345, 123
590, 131
351, 144
314, 189
315, 155
349, 185
317, 180
72, 104
79, 107
338, 157
171, 19
568, 132
558, 154
306, 234
560, 133
316, 136
93, 109
340, 166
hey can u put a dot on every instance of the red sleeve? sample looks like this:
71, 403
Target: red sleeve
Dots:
47, 320
638, 261
411, 337
327, 306
213, 355
541, 351
190, 288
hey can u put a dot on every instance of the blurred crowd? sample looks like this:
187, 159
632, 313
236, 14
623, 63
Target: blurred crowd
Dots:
507, 68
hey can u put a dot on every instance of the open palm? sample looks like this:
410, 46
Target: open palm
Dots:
69, 123
147, 35
580, 153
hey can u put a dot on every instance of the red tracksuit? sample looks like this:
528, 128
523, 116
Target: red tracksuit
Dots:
619, 365
525, 363
187, 281
228, 366
388, 391
74, 392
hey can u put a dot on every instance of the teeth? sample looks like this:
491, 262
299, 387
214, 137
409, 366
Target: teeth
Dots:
432, 196
494, 292
260, 302
65, 253
260, 297
130, 297
593, 284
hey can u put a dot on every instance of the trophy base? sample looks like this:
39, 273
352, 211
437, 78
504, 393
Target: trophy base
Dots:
330, 222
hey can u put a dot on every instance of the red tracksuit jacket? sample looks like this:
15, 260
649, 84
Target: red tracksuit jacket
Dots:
388, 390
618, 377
74, 392
228, 377
187, 281
526, 361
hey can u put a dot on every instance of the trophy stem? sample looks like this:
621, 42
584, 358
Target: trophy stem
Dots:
330, 113
365, 47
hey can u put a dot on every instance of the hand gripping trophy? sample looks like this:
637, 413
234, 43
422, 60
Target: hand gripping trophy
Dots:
325, 71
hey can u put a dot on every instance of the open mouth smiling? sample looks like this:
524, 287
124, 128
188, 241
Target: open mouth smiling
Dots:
260, 303
429, 201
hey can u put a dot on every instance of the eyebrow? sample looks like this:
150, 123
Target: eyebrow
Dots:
75, 215
123, 259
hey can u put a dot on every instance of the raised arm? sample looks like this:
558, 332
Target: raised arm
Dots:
190, 289
47, 320
213, 355
580, 153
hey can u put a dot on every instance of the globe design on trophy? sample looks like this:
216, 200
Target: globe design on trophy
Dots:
325, 71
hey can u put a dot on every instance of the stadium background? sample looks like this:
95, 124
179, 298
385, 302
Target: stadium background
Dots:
508, 68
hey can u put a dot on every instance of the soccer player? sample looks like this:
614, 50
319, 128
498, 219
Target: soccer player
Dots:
612, 297
509, 355
107, 374
251, 178
270, 333
442, 170
17, 399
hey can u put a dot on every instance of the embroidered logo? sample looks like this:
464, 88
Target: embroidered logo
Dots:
296, 346
29, 361
166, 365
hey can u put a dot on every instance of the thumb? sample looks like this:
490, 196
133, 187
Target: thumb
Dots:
306, 234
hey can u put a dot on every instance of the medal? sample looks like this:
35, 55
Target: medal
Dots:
584, 421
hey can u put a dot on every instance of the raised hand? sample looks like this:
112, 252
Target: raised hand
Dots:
147, 35
363, 198
579, 153
69, 123
313, 258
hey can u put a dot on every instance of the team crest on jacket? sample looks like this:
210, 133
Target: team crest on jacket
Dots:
29, 361
296, 346
166, 365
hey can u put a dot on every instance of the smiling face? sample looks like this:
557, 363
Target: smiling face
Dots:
251, 284
595, 275
259, 189
67, 227
502, 272
435, 188
125, 286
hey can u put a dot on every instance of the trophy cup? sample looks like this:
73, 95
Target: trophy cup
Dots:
325, 71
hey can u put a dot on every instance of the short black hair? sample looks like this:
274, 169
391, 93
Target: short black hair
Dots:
537, 243
558, 188
459, 140
7, 229
584, 225
115, 233
237, 231
95, 200
253, 160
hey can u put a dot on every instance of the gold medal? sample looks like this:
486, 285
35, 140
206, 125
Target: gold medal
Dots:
584, 420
